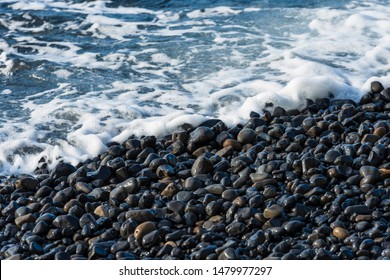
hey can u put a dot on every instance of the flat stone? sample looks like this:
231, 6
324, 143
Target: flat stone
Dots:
27, 183
101, 211
66, 221
28, 218
340, 232
357, 209
369, 170
216, 189
143, 229
83, 187
272, 211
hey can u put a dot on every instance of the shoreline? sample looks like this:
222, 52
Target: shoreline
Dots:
295, 184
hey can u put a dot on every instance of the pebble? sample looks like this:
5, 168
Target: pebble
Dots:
21, 220
202, 165
143, 229
201, 134
273, 211
83, 187
66, 221
26, 183
246, 136
369, 171
340, 232
357, 209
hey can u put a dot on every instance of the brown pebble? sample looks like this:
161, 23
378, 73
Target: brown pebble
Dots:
170, 190
272, 211
384, 171
225, 152
171, 243
340, 232
233, 143
28, 218
380, 131
239, 201
143, 229
360, 218
101, 211
201, 151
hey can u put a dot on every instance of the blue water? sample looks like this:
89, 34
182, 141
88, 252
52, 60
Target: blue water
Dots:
77, 74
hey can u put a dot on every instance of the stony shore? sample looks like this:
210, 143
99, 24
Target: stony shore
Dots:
297, 184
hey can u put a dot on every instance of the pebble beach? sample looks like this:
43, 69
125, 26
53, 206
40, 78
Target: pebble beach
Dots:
308, 184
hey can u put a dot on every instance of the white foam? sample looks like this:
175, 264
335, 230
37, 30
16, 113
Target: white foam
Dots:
186, 66
28, 5
217, 11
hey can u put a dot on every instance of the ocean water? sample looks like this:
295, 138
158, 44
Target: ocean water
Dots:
75, 75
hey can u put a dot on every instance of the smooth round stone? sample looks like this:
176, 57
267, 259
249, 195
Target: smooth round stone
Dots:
66, 221
380, 131
235, 228
143, 229
22, 211
308, 123
184, 196
385, 94
176, 206
282, 247
201, 134
370, 138
151, 238
101, 211
276, 132
314, 131
216, 189
202, 165
165, 170
41, 228
119, 193
340, 232
228, 254
121, 255
26, 183
62, 256
273, 211
347, 111
62, 169
83, 187
357, 209
362, 226
230, 194
98, 252
376, 87
169, 190
154, 161
256, 177
21, 220
366, 244
319, 243
318, 180
232, 143
246, 136
292, 227
192, 184
369, 170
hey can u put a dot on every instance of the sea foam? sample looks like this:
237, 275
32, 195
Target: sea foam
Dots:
77, 75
